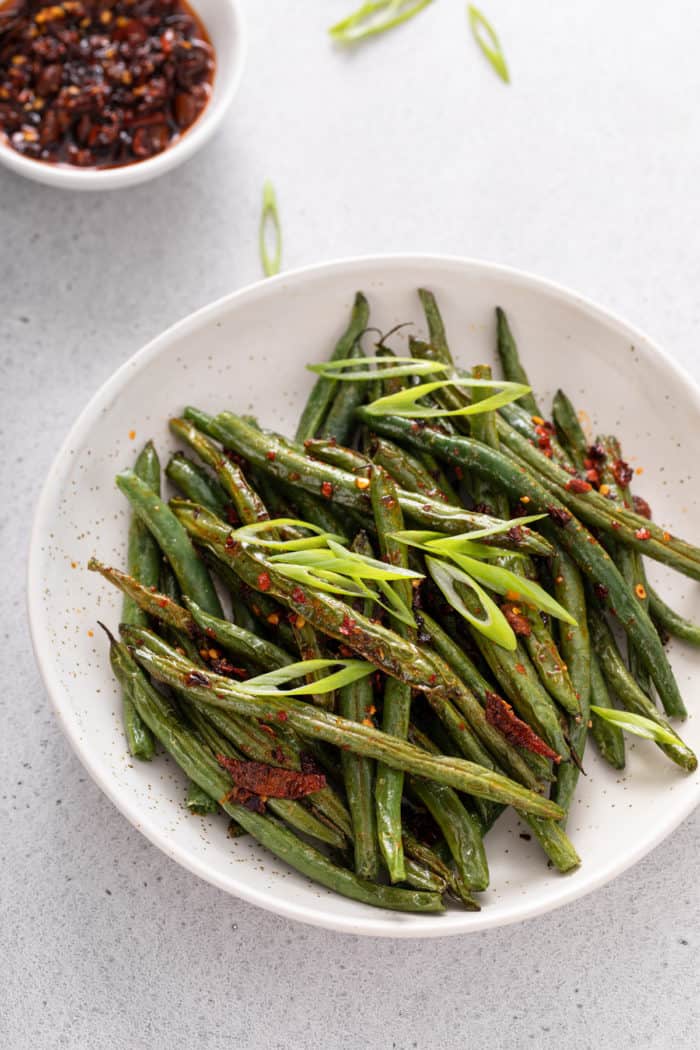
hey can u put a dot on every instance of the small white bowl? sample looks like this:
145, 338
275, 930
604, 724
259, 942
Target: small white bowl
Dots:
223, 20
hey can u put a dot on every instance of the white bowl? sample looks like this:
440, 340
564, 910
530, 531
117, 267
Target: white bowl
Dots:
223, 20
247, 352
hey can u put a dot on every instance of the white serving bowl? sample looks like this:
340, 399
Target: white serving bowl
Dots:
247, 353
223, 20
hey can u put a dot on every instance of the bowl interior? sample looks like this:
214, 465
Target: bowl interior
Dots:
248, 353
224, 23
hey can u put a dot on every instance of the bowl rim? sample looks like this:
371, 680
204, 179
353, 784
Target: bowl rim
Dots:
63, 176
429, 926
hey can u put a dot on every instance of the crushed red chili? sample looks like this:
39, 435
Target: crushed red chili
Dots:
326, 489
559, 515
641, 506
622, 472
577, 485
643, 534
519, 623
500, 714
264, 581
101, 83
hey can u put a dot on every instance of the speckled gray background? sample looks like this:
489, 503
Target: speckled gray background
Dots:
585, 170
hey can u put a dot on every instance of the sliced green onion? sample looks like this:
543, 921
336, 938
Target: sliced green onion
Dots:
402, 403
270, 216
493, 624
485, 36
397, 366
397, 606
250, 533
350, 671
514, 587
367, 20
637, 724
491, 530
371, 568
332, 583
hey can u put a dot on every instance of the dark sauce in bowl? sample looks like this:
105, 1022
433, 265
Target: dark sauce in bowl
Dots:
101, 83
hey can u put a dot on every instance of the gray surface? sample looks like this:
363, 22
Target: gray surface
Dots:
585, 171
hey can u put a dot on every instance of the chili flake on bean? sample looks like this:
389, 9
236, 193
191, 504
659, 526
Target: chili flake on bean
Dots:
101, 83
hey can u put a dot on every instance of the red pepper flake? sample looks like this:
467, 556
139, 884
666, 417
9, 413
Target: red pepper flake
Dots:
326, 490
294, 475
197, 678
459, 473
299, 622
231, 543
163, 603
267, 729
368, 722
640, 592
600, 591
271, 781
278, 754
641, 507
666, 536
432, 679
271, 455
559, 515
241, 797
274, 619
298, 596
264, 581
597, 453
639, 470
615, 525
225, 667
622, 472
361, 483
132, 435
282, 716
520, 623
604, 490
643, 534
577, 485
347, 626
500, 714
520, 668
593, 476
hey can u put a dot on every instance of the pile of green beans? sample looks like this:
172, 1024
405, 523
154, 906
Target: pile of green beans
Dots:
417, 768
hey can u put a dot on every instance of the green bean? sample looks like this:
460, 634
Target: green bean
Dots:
575, 648
628, 692
201, 767
143, 559
405, 469
483, 428
466, 670
671, 621
511, 364
397, 695
436, 327
580, 544
264, 613
354, 702
340, 422
196, 484
460, 829
569, 429
173, 540
387, 650
428, 858
609, 738
310, 649
329, 451
265, 744
547, 661
629, 562
324, 389
199, 802
193, 619
248, 504
341, 487
422, 878
222, 692
291, 811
